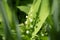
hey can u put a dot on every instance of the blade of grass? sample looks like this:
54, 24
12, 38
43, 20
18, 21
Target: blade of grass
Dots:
11, 16
7, 29
8, 10
17, 28
55, 14
15, 22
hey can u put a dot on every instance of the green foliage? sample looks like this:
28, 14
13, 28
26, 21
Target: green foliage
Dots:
24, 8
29, 20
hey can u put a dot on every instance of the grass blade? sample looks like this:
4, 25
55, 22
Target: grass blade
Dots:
7, 29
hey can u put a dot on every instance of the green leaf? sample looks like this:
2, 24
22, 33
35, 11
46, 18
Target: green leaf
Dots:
44, 12
32, 13
24, 8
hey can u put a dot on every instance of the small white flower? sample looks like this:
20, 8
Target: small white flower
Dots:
31, 20
25, 22
42, 34
26, 16
27, 32
31, 26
